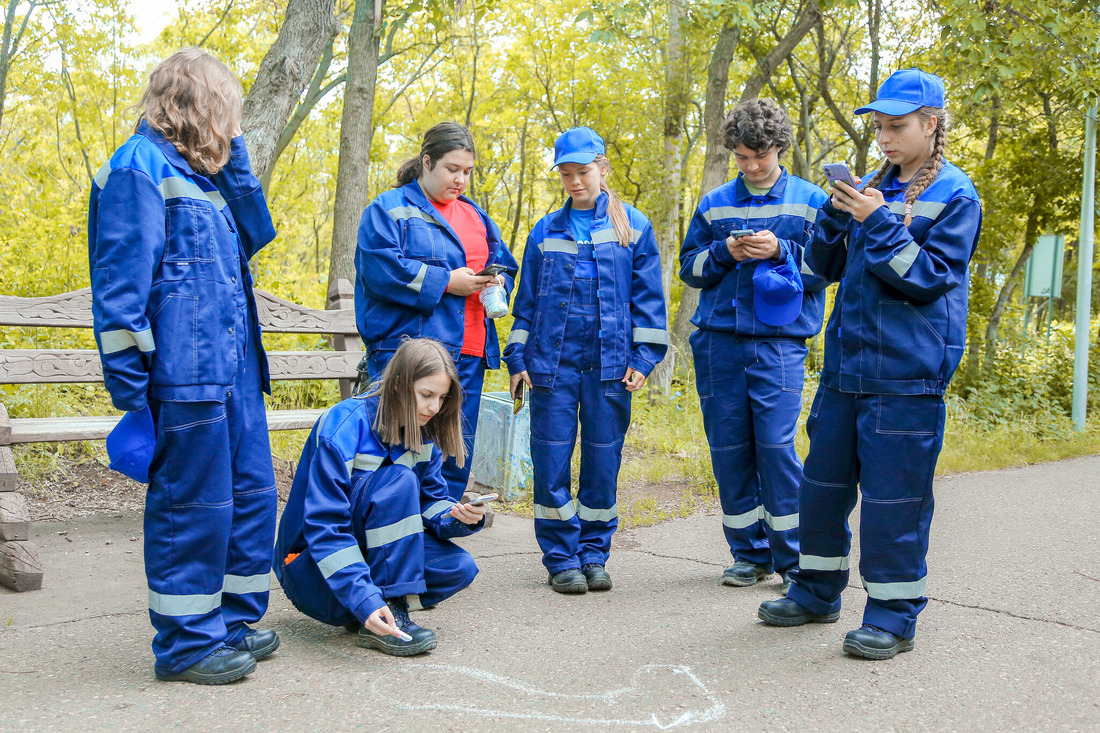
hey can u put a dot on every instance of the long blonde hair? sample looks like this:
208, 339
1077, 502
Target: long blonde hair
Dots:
194, 100
615, 209
396, 422
931, 168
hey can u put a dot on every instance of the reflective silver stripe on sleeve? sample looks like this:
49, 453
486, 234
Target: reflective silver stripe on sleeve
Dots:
120, 340
364, 462
174, 187
190, 605
517, 336
700, 260
411, 212
102, 175
409, 458
817, 562
561, 514
782, 523
650, 336
558, 245
895, 591
340, 560
902, 261
741, 521
443, 505
926, 209
805, 269
241, 584
418, 281
394, 532
597, 515
320, 426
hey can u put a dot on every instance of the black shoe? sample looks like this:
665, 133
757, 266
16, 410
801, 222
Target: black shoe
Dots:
786, 612
744, 573
786, 582
596, 577
871, 642
569, 581
223, 665
259, 644
423, 640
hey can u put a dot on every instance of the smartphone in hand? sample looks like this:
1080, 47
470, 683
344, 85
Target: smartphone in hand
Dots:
738, 233
517, 402
835, 172
478, 501
492, 271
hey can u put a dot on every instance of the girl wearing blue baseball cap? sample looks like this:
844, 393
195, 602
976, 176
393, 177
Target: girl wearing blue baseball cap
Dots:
589, 328
901, 249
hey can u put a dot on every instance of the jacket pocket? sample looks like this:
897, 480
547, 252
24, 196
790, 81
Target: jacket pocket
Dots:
423, 241
909, 347
189, 232
175, 326
546, 276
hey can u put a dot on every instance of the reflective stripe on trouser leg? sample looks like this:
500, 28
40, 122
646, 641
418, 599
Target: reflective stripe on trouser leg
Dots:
775, 380
900, 437
471, 372
723, 396
188, 516
604, 417
826, 496
447, 570
255, 500
383, 507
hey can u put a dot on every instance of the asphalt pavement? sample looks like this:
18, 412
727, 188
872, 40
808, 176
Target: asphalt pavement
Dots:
1010, 639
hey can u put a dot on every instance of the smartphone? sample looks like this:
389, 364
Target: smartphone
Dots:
517, 403
839, 172
738, 233
492, 271
478, 501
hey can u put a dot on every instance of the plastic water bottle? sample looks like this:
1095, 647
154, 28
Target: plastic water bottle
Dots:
493, 300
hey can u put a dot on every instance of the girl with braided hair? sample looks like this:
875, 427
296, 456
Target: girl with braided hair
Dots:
901, 249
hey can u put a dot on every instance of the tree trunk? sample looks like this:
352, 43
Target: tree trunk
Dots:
781, 51
716, 165
677, 89
352, 190
1030, 233
519, 187
284, 73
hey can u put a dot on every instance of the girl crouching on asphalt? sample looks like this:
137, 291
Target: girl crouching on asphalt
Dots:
367, 526
589, 328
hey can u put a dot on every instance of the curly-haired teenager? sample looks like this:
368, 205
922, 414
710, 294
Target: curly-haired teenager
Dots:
749, 360
174, 217
901, 250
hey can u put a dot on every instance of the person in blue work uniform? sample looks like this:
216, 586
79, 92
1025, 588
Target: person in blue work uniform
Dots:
589, 328
174, 218
901, 249
368, 520
420, 248
750, 355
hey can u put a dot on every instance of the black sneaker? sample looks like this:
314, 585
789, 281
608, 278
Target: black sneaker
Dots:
259, 644
423, 640
786, 612
871, 642
744, 573
221, 666
569, 581
596, 577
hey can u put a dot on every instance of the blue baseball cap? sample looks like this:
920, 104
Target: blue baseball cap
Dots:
579, 145
777, 292
906, 91
131, 443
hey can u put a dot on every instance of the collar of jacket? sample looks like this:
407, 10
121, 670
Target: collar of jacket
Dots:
169, 150
776, 191
559, 222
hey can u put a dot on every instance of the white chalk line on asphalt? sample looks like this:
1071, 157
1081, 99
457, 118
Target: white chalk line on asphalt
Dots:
715, 710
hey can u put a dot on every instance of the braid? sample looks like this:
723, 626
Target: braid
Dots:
879, 176
932, 167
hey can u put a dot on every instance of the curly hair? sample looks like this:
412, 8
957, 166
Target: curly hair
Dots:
194, 100
758, 124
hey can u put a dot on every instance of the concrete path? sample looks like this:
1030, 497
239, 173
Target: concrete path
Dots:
1010, 639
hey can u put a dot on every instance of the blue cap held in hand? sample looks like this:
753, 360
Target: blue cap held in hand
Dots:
131, 444
906, 91
579, 145
777, 292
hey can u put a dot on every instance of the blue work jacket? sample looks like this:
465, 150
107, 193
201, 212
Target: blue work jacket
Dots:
403, 262
788, 211
899, 322
633, 329
168, 251
341, 451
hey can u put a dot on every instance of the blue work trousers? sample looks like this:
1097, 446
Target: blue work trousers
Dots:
572, 535
751, 395
887, 445
210, 515
471, 373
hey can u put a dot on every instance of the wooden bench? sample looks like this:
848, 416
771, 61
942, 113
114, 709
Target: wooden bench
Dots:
20, 566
